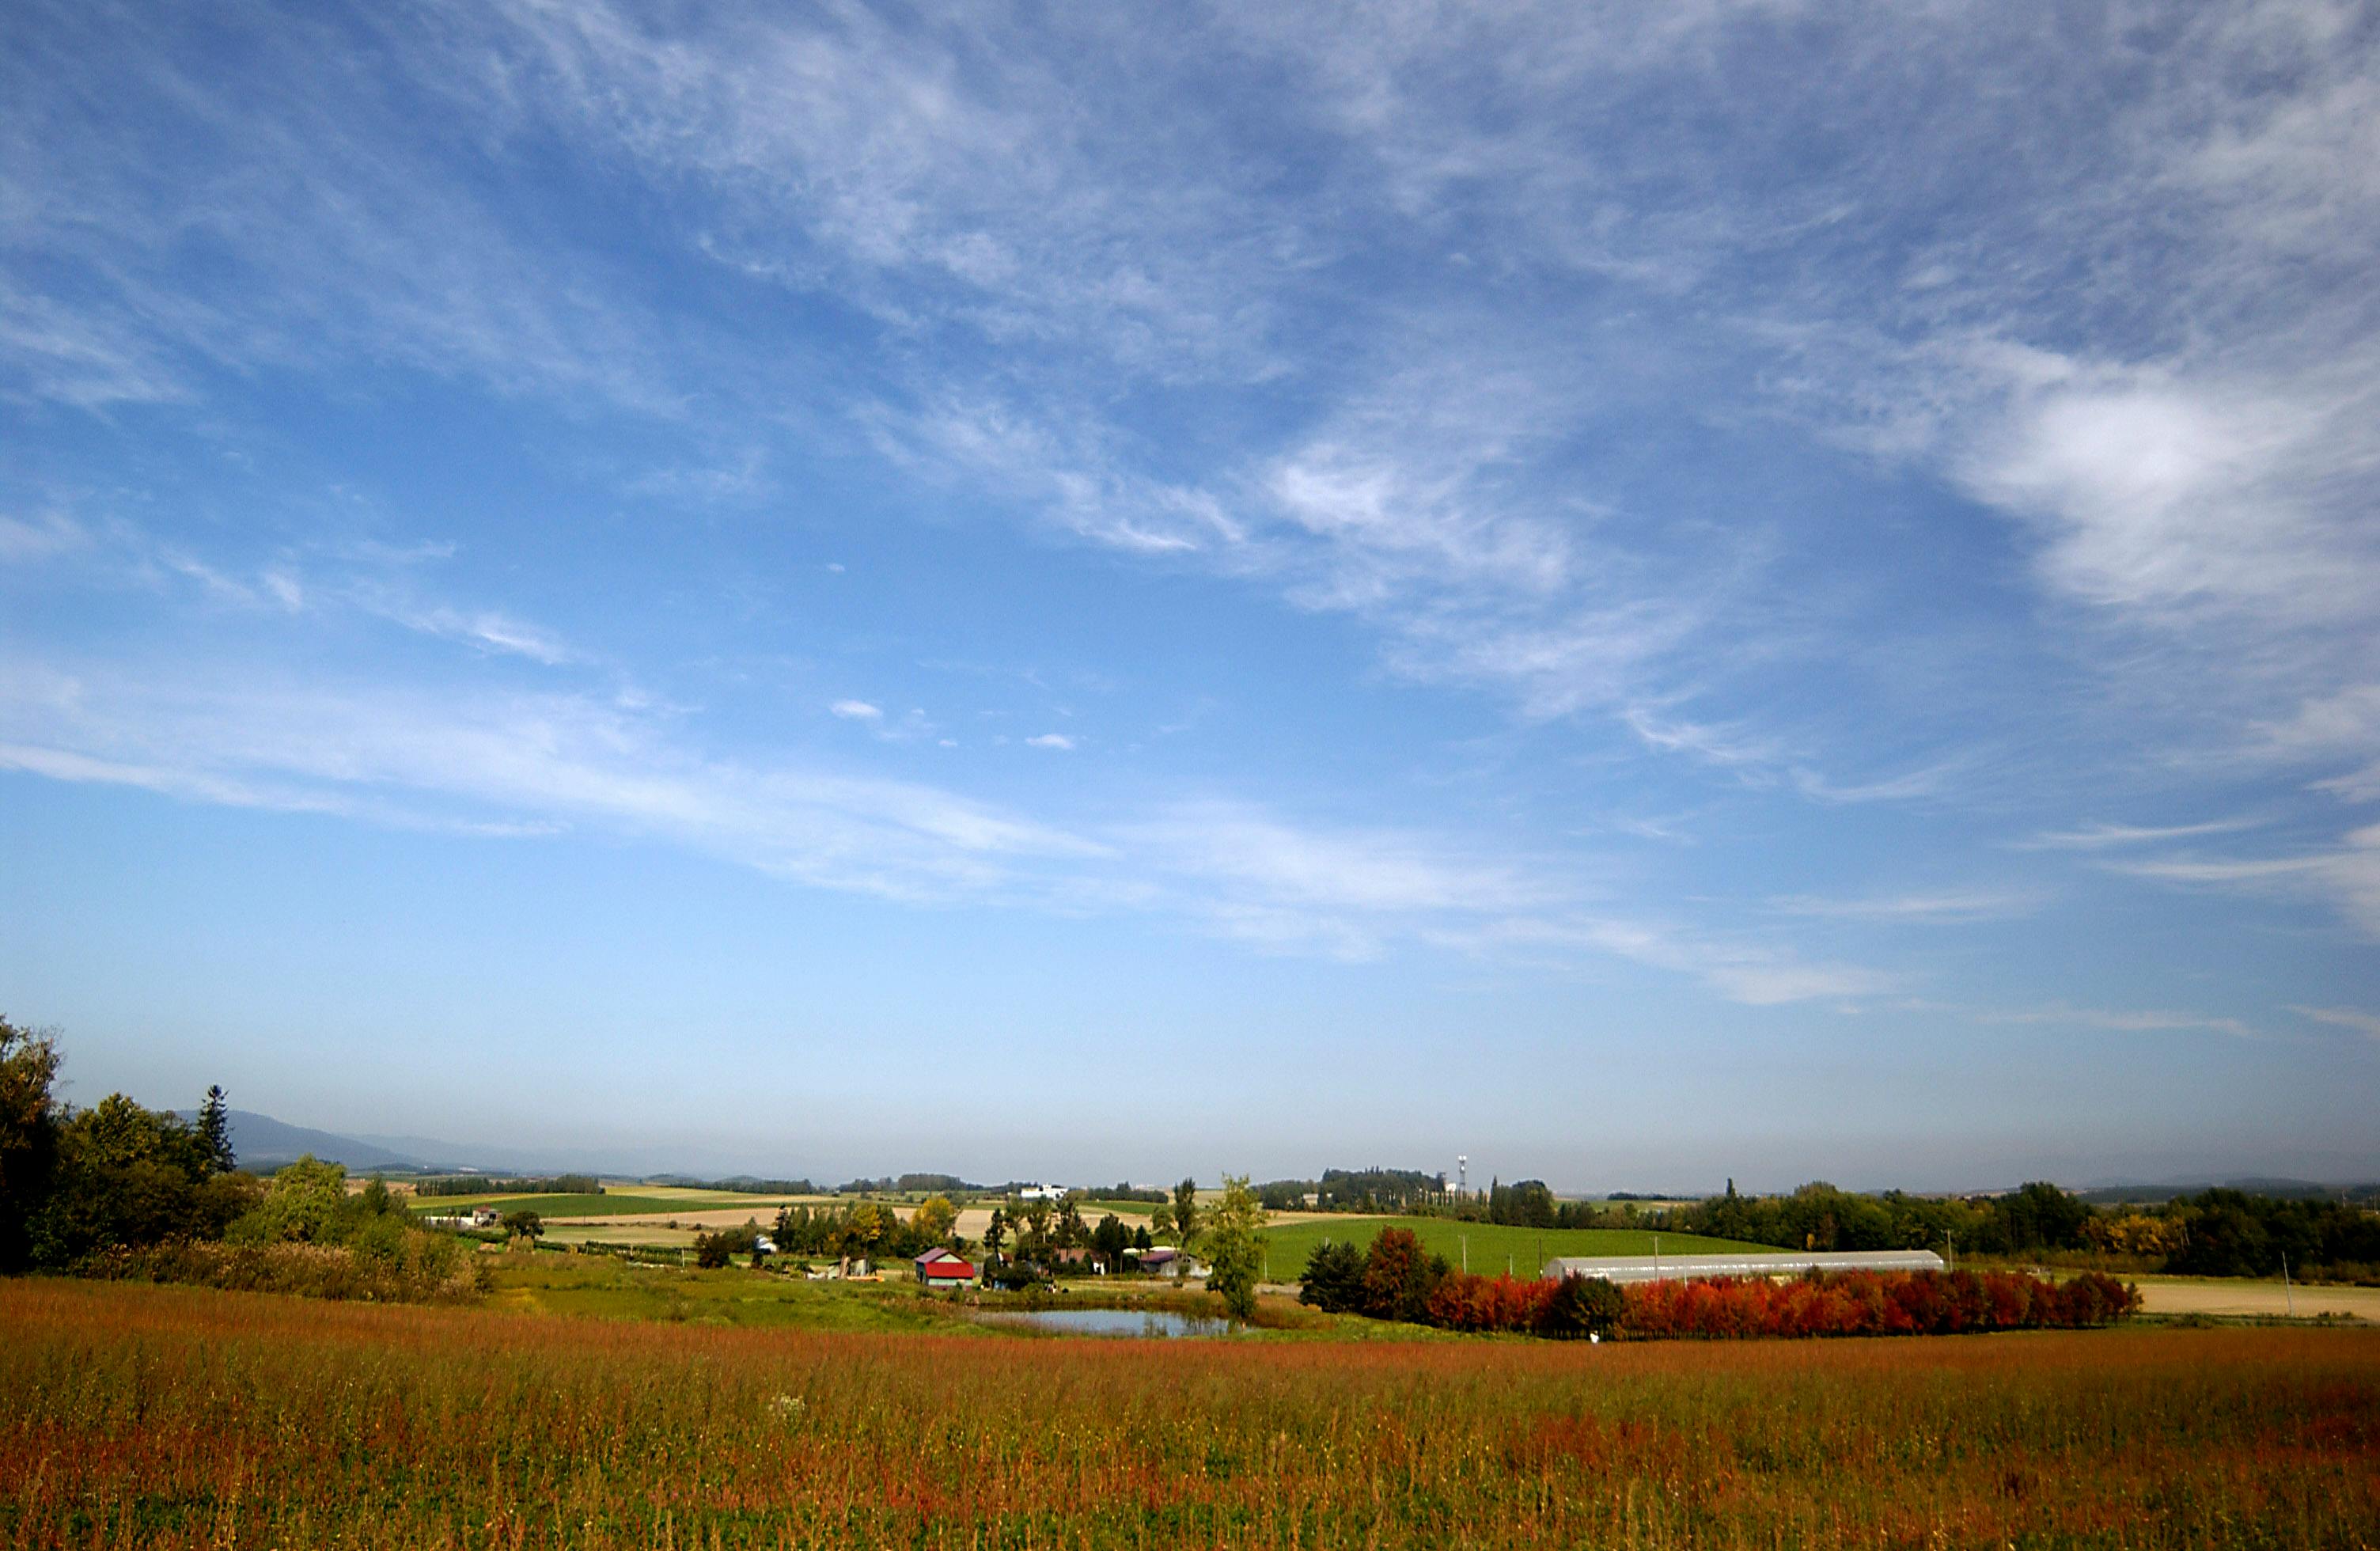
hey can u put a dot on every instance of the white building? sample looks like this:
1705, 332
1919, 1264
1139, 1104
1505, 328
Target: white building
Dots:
1691, 1267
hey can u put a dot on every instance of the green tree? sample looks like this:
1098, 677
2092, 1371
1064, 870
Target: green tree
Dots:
1333, 1281
214, 1131
28, 1135
1585, 1306
995, 1232
1160, 1222
1111, 1240
934, 1219
301, 1205
1235, 1247
124, 1176
522, 1223
1185, 1211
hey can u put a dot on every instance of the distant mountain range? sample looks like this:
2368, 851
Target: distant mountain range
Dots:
261, 1142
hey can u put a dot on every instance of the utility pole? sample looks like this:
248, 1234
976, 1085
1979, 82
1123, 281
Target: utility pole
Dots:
1466, 1253
2288, 1299
1656, 1258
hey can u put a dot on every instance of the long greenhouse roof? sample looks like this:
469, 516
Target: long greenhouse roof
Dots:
1672, 1268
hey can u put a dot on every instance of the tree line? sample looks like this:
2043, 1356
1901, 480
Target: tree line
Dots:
117, 1190
2216, 1232
480, 1185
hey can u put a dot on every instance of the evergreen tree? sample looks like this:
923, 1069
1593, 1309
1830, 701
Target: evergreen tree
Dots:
214, 1131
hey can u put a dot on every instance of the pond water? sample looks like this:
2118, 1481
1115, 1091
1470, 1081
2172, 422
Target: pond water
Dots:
1116, 1322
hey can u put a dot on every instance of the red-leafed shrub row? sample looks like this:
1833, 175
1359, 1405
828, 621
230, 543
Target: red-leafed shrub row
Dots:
1467, 1302
1845, 1303
1872, 1303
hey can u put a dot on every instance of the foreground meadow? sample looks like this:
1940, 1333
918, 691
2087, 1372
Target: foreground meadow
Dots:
174, 1417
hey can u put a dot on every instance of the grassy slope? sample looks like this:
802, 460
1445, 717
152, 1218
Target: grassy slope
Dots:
1287, 1246
603, 1287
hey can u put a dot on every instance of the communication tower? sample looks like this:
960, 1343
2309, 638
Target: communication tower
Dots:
1462, 1173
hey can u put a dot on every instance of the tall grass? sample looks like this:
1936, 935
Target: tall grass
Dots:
173, 1416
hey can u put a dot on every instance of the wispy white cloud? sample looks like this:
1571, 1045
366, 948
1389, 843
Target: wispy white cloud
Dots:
515, 758
1949, 908
502, 763
2347, 874
2365, 1024
483, 629
1755, 974
2102, 836
1377, 872
856, 710
1050, 740
2125, 1020
335, 233
26, 539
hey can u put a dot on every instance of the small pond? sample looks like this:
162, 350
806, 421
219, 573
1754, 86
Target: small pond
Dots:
1116, 1322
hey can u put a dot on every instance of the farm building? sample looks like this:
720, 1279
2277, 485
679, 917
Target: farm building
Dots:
1166, 1262
939, 1268
1688, 1268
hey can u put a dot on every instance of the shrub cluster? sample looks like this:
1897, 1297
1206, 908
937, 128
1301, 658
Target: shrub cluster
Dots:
1567, 1309
413, 1268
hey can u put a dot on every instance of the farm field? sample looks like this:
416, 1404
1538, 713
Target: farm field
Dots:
174, 1417
1288, 1243
2237, 1297
605, 1288
606, 1204
657, 1201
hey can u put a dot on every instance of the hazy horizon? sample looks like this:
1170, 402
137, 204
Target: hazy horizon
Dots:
1740, 591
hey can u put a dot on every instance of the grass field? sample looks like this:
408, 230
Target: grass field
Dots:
603, 1287
176, 1417
1287, 1244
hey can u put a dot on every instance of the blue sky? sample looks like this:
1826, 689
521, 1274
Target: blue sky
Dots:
1746, 590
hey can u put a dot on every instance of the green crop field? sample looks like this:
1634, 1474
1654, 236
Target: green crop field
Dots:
1491, 1246
1130, 1211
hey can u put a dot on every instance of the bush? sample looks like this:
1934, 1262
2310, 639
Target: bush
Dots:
1333, 1280
1582, 1306
414, 1268
1399, 1278
1462, 1302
